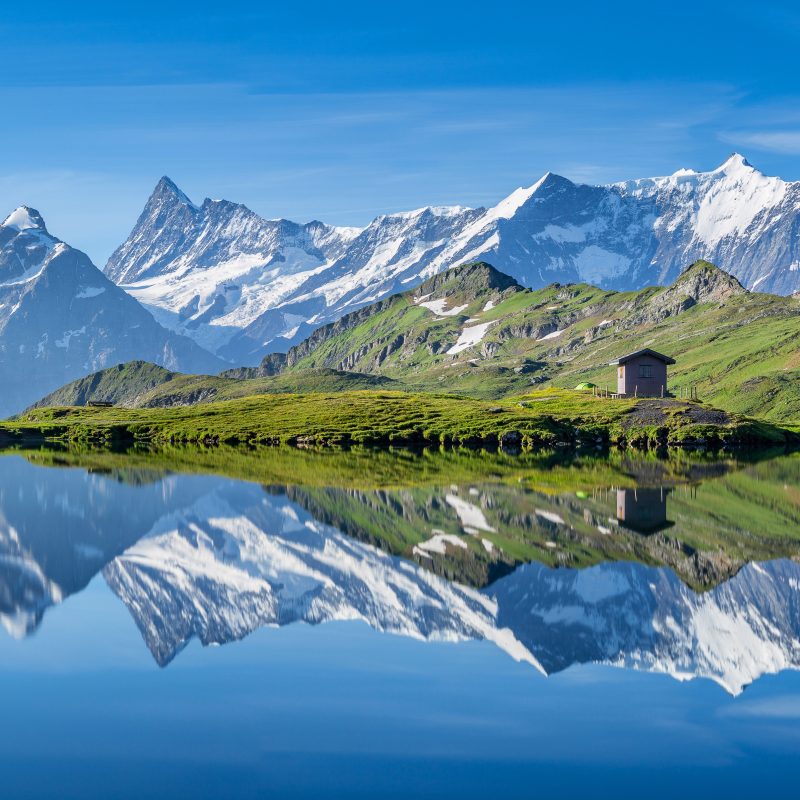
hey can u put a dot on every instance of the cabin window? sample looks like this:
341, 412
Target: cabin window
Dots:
645, 370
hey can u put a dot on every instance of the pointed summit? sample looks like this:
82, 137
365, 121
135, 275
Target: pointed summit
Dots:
24, 219
167, 189
510, 205
705, 282
735, 162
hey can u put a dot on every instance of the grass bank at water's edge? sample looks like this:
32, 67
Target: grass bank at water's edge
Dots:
548, 418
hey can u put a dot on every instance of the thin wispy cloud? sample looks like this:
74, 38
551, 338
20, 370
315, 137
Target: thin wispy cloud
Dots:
777, 708
787, 142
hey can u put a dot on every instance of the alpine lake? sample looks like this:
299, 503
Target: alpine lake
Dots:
274, 622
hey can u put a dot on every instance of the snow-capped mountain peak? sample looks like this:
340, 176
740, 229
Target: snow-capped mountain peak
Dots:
167, 189
243, 286
23, 219
510, 205
61, 317
735, 163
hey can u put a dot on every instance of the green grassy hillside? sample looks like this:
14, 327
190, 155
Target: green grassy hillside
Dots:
741, 350
140, 384
474, 332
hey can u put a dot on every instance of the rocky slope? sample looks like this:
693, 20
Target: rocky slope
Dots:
243, 286
61, 317
739, 349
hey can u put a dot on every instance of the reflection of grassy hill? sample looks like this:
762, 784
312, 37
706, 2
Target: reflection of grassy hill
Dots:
543, 419
719, 525
549, 508
367, 469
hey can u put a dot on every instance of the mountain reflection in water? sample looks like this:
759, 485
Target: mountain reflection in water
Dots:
686, 579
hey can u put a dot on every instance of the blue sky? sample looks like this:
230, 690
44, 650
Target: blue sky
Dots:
343, 111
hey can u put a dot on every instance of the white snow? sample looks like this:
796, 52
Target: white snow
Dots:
489, 305
600, 584
438, 544
595, 264
470, 515
63, 342
90, 291
20, 219
508, 207
439, 307
550, 516
470, 336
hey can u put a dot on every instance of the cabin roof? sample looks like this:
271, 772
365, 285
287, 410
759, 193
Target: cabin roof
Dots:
646, 352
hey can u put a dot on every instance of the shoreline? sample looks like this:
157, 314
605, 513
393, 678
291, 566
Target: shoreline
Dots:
548, 419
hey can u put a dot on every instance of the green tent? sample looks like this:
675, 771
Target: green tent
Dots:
586, 386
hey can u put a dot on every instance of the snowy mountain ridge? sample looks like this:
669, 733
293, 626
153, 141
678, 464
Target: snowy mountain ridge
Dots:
242, 286
61, 317
238, 559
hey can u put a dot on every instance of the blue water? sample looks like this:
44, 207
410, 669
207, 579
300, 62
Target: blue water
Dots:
341, 709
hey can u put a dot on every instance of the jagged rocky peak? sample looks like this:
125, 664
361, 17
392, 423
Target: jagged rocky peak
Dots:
25, 243
167, 189
705, 282
702, 282
472, 279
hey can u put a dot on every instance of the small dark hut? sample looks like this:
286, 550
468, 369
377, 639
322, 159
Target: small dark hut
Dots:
643, 510
642, 374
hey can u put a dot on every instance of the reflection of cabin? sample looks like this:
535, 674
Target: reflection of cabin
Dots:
643, 510
642, 374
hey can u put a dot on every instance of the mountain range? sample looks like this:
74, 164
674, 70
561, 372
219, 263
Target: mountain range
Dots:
197, 288
61, 317
243, 286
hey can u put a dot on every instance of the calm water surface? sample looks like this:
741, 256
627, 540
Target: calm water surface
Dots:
610, 629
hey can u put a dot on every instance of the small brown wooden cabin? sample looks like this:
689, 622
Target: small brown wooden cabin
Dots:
642, 374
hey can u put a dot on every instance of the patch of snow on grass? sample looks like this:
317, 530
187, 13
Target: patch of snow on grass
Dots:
438, 544
553, 335
470, 337
550, 516
439, 307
